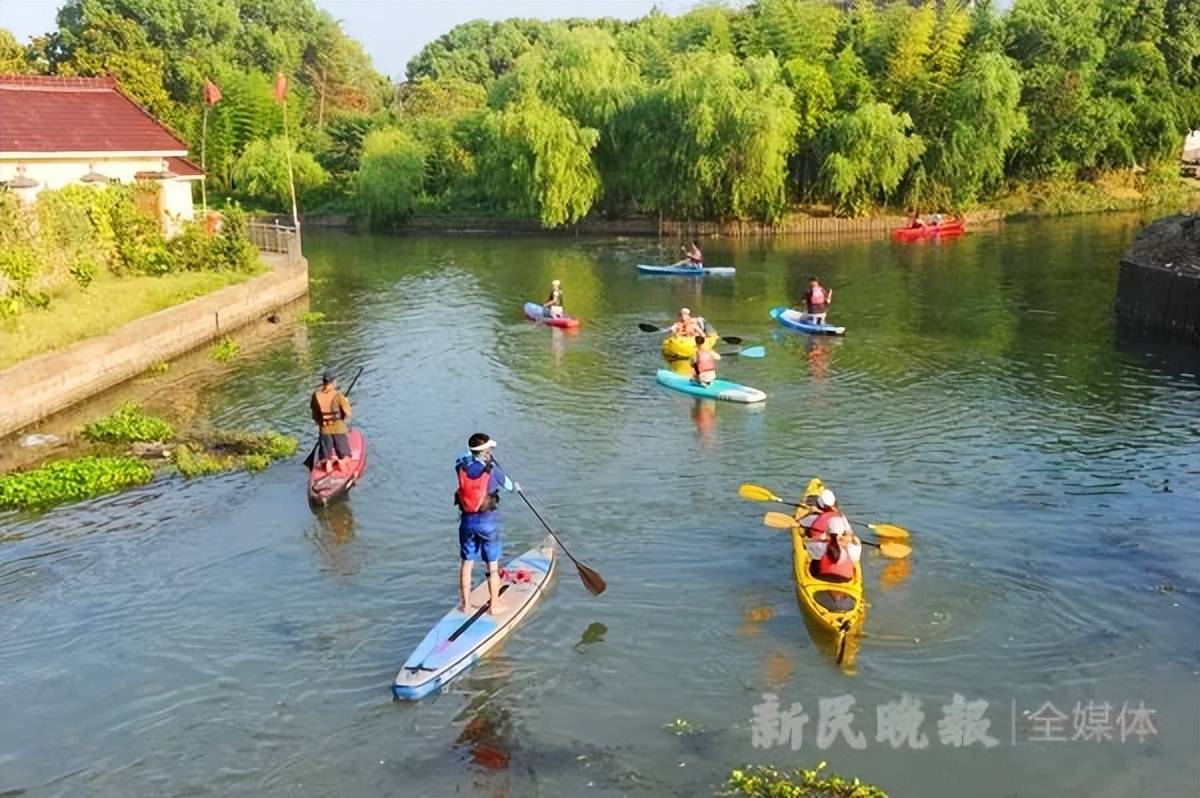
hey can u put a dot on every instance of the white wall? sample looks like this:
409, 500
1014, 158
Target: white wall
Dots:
1192, 144
54, 173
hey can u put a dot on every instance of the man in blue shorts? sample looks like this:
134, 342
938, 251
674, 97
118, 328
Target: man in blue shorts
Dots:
477, 497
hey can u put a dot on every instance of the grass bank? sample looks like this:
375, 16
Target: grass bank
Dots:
75, 313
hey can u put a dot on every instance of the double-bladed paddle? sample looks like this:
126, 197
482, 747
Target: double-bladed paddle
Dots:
312, 456
758, 493
594, 583
750, 351
888, 548
648, 327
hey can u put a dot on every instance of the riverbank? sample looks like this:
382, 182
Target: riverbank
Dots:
40, 386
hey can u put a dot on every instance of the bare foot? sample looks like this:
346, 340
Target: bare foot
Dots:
499, 607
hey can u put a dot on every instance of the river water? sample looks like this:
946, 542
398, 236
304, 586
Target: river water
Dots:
216, 637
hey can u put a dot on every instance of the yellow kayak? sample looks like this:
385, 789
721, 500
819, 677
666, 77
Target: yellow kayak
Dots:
837, 609
681, 347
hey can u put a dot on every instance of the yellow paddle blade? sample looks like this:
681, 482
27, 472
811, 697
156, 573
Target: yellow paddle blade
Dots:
757, 493
779, 521
889, 531
897, 551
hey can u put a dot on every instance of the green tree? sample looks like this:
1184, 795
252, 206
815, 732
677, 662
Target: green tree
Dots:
870, 150
261, 172
389, 181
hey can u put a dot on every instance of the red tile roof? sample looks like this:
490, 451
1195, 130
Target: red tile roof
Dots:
45, 113
184, 168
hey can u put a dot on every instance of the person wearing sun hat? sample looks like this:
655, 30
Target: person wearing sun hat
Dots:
478, 498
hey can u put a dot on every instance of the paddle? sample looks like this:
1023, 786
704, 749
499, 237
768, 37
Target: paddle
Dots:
758, 493
888, 548
312, 456
645, 326
594, 583
750, 351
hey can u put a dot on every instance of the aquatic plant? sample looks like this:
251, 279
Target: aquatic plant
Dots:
158, 367
311, 317
128, 424
225, 350
71, 480
768, 782
193, 461
225, 450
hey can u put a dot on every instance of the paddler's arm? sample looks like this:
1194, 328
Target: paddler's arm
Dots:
344, 403
314, 409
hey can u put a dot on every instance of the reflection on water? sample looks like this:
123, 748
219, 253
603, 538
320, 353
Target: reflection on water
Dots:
215, 636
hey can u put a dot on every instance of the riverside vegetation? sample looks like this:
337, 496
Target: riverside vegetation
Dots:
719, 112
112, 469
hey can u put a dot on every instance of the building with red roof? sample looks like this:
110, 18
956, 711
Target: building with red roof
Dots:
55, 131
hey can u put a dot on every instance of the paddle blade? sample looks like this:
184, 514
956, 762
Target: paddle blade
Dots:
594, 583
896, 551
757, 493
312, 456
754, 351
731, 339
779, 521
646, 327
889, 531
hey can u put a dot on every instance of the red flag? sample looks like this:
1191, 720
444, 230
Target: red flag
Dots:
280, 87
212, 95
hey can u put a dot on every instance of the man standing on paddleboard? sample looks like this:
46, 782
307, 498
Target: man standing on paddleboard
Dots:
477, 497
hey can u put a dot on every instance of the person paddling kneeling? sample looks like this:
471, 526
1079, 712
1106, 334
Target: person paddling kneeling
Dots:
477, 497
704, 363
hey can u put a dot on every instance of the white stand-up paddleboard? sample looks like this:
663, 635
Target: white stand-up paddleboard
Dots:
460, 639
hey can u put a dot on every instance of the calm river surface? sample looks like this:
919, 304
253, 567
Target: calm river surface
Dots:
215, 637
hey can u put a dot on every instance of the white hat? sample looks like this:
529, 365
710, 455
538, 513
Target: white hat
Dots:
555, 282
826, 499
685, 310
838, 526
482, 446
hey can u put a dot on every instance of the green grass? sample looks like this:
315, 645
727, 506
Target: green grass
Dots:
76, 313
224, 350
128, 424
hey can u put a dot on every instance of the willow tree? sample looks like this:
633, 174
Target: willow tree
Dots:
536, 161
390, 177
870, 150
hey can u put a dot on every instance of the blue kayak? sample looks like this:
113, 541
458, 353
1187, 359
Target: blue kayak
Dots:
719, 389
795, 319
460, 639
685, 271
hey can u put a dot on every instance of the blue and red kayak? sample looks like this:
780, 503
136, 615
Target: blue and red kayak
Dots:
799, 321
538, 313
460, 639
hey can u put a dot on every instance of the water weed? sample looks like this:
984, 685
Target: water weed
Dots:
128, 425
71, 480
225, 350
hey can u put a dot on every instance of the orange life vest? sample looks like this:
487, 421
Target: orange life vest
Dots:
704, 361
820, 525
472, 495
843, 567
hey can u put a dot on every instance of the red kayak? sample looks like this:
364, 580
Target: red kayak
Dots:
535, 312
326, 486
947, 228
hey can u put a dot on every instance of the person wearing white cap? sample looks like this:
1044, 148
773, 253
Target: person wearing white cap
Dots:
685, 325
842, 553
478, 496
818, 523
554, 302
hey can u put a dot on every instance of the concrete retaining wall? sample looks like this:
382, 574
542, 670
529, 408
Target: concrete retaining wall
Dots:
40, 386
1158, 286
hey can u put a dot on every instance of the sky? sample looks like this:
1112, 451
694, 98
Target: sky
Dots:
391, 31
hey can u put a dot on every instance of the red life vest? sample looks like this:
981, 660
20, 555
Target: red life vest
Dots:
842, 567
816, 296
704, 361
820, 525
472, 495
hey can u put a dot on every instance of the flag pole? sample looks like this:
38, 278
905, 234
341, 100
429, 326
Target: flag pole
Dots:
204, 162
281, 93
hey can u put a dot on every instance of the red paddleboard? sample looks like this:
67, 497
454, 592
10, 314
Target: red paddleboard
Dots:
535, 312
326, 486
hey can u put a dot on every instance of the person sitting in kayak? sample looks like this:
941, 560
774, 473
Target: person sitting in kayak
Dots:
554, 301
477, 497
686, 325
915, 223
331, 411
816, 523
693, 257
842, 552
817, 300
704, 364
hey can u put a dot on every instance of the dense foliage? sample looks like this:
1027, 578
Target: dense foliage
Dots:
128, 424
71, 480
717, 112
767, 782
76, 232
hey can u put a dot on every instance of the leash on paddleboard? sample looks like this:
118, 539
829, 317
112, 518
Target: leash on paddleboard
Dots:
594, 583
312, 456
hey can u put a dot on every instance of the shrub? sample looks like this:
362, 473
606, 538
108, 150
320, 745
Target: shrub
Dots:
128, 425
71, 480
